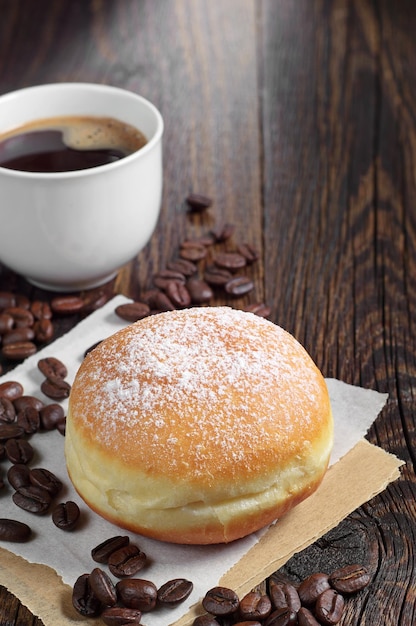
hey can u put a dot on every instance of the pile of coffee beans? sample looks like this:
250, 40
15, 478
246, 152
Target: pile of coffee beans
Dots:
319, 600
95, 594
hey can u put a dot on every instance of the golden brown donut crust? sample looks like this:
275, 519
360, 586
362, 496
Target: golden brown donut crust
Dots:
198, 426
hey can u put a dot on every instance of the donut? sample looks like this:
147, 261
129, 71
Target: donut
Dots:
198, 426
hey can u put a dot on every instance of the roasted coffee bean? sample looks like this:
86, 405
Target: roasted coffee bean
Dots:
205, 620
2, 452
21, 317
199, 290
19, 451
248, 252
258, 308
248, 623
83, 598
161, 302
162, 279
19, 350
102, 552
132, 311
192, 251
183, 266
121, 616
32, 499
282, 617
329, 607
22, 301
25, 401
198, 202
41, 310
223, 231
7, 300
220, 601
312, 587
217, 276
29, 420
239, 286
349, 579
50, 415
231, 261
7, 411
18, 335
137, 593
18, 475
41, 477
306, 618
255, 605
66, 515
103, 587
6, 323
13, 530
10, 431
67, 305
56, 388
174, 592
11, 390
43, 330
126, 561
283, 595
51, 367
178, 294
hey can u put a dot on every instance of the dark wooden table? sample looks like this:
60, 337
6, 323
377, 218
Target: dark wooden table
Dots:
299, 120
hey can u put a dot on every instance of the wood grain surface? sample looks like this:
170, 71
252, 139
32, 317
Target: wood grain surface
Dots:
298, 120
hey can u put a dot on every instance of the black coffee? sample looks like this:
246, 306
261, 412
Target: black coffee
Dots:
65, 144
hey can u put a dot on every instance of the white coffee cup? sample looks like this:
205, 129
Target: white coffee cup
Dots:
74, 230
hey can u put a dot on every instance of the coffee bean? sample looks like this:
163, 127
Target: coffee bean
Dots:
67, 305
258, 308
66, 515
162, 279
231, 261
56, 388
239, 286
32, 499
7, 300
121, 616
24, 402
18, 476
329, 607
174, 592
83, 598
284, 595
51, 367
198, 202
11, 390
199, 290
132, 311
220, 601
137, 593
178, 294
43, 330
13, 530
282, 617
312, 587
10, 431
41, 310
192, 251
41, 477
102, 552
349, 579
216, 276
223, 231
21, 317
103, 587
248, 252
205, 620
7, 411
29, 420
19, 451
6, 323
126, 561
50, 415
19, 350
248, 623
306, 618
183, 266
255, 605
22, 301
18, 335
161, 302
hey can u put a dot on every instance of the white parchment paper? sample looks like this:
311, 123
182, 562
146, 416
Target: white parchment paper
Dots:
69, 554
